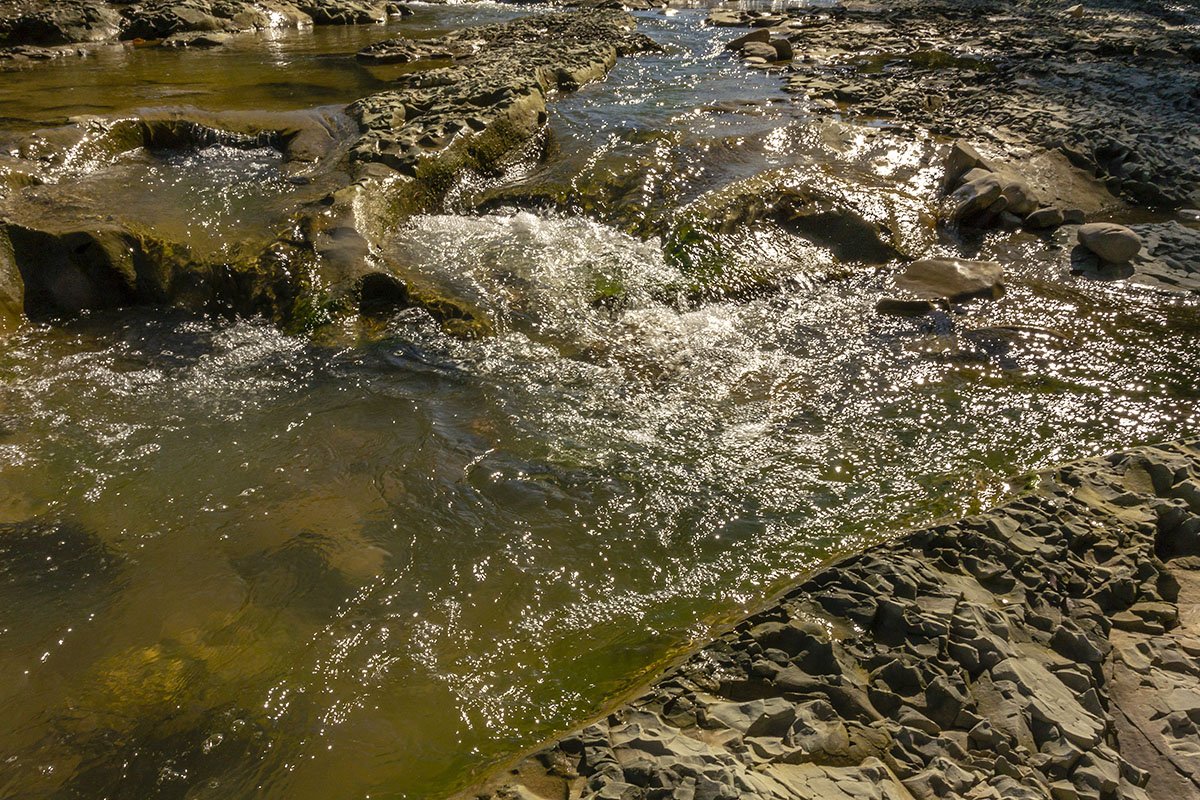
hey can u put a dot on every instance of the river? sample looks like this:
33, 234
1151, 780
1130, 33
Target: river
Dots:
241, 562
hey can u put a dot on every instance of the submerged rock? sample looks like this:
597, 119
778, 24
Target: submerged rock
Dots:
952, 279
49, 557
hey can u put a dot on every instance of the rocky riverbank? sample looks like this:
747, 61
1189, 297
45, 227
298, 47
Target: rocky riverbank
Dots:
1049, 648
32, 29
1110, 84
471, 103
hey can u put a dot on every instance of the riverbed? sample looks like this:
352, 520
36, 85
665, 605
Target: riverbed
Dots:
242, 561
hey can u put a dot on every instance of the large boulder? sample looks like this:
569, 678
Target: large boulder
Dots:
1113, 243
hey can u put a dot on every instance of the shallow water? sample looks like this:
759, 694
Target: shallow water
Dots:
262, 566
276, 70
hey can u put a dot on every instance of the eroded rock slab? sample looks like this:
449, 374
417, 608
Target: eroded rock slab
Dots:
1112, 85
347, 177
1045, 649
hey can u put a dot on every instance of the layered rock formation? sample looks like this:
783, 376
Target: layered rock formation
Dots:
27, 23
1049, 648
1111, 84
358, 171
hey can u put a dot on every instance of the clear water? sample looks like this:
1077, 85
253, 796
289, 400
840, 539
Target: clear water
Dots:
263, 566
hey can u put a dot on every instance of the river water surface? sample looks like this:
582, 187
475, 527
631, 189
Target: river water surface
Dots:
239, 563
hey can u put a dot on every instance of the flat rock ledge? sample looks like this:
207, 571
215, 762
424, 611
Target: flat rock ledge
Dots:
1049, 648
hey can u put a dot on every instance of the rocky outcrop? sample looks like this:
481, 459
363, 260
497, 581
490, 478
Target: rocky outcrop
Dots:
353, 174
494, 99
1049, 648
26, 23
1112, 85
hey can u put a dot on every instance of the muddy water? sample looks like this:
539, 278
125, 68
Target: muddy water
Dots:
235, 563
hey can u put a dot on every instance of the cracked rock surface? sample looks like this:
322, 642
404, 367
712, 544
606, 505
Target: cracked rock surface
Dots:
1049, 648
1115, 85
503, 76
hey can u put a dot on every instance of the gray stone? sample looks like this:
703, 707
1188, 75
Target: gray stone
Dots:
1113, 243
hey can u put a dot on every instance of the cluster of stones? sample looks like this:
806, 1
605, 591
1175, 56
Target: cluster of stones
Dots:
982, 193
1112, 88
1049, 648
759, 48
31, 29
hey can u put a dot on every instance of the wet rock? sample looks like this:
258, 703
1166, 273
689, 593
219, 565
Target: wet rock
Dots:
764, 50
1113, 243
159, 19
978, 706
1045, 218
1026, 82
761, 35
57, 23
952, 279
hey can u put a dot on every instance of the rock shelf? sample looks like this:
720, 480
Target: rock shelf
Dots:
1111, 84
1049, 648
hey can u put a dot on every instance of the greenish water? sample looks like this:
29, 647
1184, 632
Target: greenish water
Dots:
235, 563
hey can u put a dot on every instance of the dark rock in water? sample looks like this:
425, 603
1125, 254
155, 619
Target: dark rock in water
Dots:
380, 293
1044, 649
45, 557
905, 306
296, 575
124, 758
1113, 243
952, 279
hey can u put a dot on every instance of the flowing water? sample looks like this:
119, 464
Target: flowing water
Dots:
238, 563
